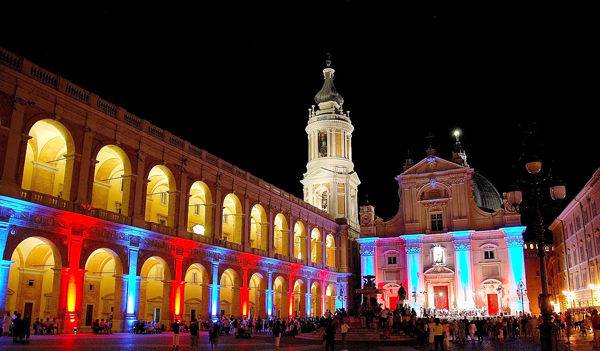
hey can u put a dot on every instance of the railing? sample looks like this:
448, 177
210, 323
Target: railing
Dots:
110, 216
63, 85
46, 200
159, 228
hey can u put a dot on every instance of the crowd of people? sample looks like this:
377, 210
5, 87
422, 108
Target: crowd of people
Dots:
429, 330
16, 326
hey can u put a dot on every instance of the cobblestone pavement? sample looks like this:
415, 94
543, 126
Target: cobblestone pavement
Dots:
130, 342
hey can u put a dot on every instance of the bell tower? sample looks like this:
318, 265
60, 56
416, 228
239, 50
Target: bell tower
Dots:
330, 182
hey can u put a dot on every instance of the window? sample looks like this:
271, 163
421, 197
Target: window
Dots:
489, 255
437, 223
197, 209
581, 255
585, 217
570, 229
30, 282
163, 198
578, 223
392, 260
322, 143
194, 277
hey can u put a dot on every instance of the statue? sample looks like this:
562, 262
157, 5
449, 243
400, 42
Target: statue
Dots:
402, 293
369, 281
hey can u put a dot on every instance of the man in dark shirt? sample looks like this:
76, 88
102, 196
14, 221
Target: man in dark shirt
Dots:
175, 329
194, 333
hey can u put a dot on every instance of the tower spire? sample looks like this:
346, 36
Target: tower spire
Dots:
328, 94
459, 154
430, 150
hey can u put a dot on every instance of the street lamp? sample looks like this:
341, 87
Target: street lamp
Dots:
535, 185
521, 293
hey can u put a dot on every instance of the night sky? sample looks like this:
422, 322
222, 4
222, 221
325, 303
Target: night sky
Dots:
238, 80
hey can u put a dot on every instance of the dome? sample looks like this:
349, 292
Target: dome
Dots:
485, 193
328, 92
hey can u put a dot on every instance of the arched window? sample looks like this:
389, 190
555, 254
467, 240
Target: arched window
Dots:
316, 246
48, 166
281, 235
330, 250
200, 210
258, 228
160, 208
112, 180
299, 241
232, 219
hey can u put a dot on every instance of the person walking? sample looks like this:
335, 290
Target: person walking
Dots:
194, 328
175, 329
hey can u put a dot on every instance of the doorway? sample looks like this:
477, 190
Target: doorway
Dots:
492, 300
440, 297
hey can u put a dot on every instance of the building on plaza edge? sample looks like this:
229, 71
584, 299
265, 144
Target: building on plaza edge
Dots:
574, 262
451, 245
104, 215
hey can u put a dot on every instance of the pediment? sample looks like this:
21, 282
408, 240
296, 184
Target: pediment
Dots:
438, 270
432, 164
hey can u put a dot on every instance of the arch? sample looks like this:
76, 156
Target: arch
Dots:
195, 293
316, 246
112, 180
155, 291
229, 293
258, 227
200, 207
330, 297
102, 287
330, 250
315, 303
257, 288
160, 196
232, 219
49, 158
299, 241
281, 235
280, 297
34, 278
299, 298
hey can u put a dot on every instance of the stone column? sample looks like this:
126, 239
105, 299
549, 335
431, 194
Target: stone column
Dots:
133, 286
244, 293
184, 208
217, 213
464, 272
84, 183
270, 233
324, 249
139, 217
177, 288
4, 271
269, 295
15, 145
246, 226
308, 301
323, 296
214, 291
308, 241
414, 272
291, 224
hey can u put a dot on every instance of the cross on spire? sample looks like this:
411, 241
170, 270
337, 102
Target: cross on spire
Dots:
328, 59
430, 150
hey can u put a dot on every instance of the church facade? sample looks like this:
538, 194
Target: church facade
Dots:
450, 246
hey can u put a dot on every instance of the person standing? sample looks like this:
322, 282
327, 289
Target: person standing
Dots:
194, 328
213, 335
596, 327
175, 329
329, 334
277, 329
344, 329
438, 335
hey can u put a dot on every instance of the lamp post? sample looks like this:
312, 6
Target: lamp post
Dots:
521, 293
535, 184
